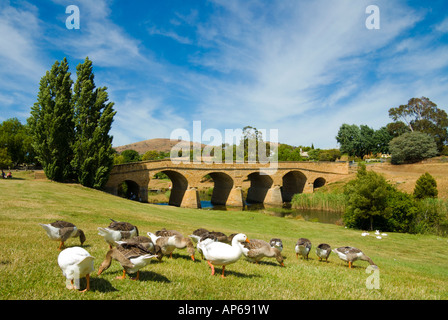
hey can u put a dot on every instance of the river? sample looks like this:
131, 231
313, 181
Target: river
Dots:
285, 211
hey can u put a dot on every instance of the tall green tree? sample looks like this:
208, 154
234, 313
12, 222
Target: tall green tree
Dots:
51, 122
421, 114
93, 117
348, 138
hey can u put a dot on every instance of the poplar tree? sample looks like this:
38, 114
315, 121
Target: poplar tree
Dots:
93, 117
51, 122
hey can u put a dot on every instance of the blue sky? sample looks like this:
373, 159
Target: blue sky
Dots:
302, 67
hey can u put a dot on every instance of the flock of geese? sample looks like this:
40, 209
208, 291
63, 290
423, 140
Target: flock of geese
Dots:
134, 251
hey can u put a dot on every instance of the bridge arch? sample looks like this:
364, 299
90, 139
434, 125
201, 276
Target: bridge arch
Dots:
293, 182
319, 182
129, 189
222, 186
259, 187
179, 186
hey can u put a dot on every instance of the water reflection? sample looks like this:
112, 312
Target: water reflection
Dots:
285, 211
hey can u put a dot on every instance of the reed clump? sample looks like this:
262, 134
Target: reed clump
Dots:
335, 202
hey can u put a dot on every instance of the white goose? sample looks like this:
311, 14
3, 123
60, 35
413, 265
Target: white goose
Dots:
76, 263
222, 254
204, 240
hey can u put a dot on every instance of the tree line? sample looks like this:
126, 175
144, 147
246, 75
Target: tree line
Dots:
418, 131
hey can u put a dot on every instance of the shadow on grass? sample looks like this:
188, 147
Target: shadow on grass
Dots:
180, 256
101, 285
218, 272
152, 276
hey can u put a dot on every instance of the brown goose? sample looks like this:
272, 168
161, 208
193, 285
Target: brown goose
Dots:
303, 247
62, 230
221, 237
145, 243
167, 233
197, 234
255, 250
323, 251
351, 254
116, 231
169, 244
131, 255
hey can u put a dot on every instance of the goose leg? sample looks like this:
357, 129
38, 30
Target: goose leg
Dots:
211, 266
350, 264
123, 276
88, 283
138, 276
61, 245
223, 268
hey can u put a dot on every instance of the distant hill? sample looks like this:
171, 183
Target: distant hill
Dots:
158, 144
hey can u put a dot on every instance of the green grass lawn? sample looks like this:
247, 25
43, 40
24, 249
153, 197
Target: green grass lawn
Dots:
410, 266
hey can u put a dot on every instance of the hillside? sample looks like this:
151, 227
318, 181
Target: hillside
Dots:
159, 144
29, 268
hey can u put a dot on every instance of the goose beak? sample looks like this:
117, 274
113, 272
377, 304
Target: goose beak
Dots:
282, 264
247, 240
192, 257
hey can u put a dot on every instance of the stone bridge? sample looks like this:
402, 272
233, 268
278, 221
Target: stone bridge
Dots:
271, 183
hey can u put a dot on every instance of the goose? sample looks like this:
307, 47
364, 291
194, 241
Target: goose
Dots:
351, 254
116, 231
131, 255
62, 230
323, 251
222, 254
205, 239
169, 244
276, 243
303, 247
167, 233
221, 237
197, 234
76, 263
145, 243
259, 249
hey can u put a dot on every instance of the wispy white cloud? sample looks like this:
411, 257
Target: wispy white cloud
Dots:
170, 34
142, 118
303, 67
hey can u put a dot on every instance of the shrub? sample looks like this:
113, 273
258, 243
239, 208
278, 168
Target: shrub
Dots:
432, 216
412, 147
426, 187
400, 213
367, 199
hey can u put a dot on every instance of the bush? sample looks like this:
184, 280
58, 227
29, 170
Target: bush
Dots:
367, 200
412, 147
400, 213
432, 216
426, 187
372, 203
